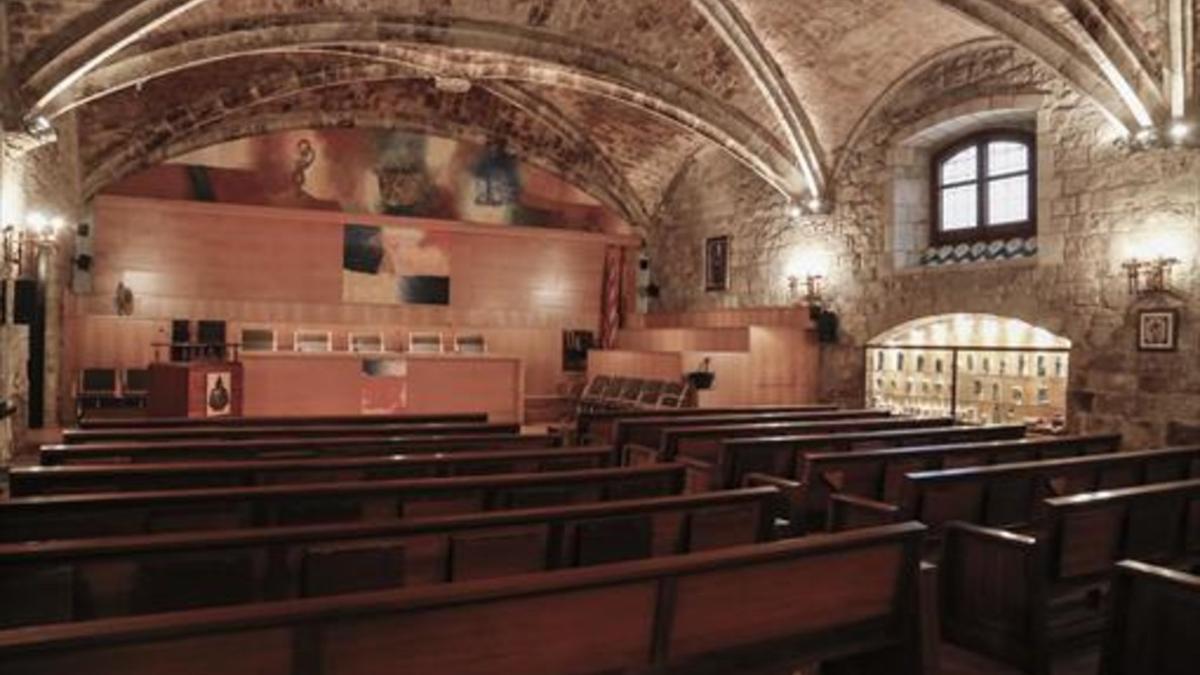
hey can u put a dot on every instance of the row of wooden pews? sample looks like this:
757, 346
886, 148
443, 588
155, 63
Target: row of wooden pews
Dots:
1033, 527
375, 550
1152, 626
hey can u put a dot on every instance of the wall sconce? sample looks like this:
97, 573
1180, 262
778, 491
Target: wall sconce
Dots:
19, 242
1146, 277
13, 243
812, 291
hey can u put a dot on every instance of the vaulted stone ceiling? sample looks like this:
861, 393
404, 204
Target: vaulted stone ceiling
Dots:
616, 95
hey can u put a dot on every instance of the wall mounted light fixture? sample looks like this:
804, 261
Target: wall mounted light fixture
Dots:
1146, 277
20, 242
812, 290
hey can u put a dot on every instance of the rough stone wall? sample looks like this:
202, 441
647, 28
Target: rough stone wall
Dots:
1104, 198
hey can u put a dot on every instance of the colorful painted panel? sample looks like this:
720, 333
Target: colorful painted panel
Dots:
376, 172
395, 265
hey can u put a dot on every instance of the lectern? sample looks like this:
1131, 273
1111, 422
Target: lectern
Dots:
205, 380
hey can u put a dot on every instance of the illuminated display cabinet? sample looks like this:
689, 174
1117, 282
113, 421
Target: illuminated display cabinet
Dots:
976, 367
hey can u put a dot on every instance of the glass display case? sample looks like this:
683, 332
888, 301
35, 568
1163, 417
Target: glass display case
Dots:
978, 368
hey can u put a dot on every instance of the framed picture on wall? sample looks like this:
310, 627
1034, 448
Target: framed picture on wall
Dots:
1158, 330
716, 263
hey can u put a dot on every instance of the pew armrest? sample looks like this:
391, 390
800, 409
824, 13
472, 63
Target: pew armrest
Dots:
988, 590
788, 507
701, 475
849, 512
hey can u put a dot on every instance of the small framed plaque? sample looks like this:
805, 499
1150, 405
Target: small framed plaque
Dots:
716, 263
1158, 330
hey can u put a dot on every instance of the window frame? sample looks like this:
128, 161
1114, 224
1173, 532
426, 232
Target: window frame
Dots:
982, 231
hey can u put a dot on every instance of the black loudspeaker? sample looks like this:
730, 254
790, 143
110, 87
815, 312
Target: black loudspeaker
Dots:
827, 327
181, 333
3, 303
24, 301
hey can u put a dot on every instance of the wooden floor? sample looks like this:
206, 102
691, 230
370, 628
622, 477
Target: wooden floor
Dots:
957, 661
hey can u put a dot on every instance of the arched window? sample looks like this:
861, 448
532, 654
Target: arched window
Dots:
985, 188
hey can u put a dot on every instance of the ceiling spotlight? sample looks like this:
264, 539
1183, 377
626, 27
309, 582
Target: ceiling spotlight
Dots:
1180, 130
815, 205
794, 211
1146, 136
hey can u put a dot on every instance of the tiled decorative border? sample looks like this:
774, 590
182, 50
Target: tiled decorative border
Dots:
981, 251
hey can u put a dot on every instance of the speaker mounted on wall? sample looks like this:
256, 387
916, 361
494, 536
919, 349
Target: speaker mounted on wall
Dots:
24, 301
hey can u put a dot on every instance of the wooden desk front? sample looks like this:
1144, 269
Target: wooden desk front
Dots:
341, 383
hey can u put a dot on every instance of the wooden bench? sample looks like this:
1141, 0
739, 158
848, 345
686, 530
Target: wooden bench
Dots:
1010, 495
701, 614
879, 474
290, 448
81, 580
269, 421
1153, 624
287, 430
26, 481
784, 455
646, 431
597, 425
1023, 596
112, 513
704, 441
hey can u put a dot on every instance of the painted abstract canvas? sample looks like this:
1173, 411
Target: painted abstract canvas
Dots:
395, 265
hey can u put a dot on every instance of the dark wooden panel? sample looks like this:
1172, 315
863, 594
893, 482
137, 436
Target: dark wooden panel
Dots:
351, 568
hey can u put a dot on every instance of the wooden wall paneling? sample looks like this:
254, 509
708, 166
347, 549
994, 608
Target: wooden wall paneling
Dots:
281, 268
724, 318
252, 255
684, 339
785, 362
647, 365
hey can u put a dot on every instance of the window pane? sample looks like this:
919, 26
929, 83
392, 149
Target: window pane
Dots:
960, 167
1007, 157
1008, 200
959, 207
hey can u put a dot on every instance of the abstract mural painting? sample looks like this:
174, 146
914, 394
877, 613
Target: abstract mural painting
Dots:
384, 172
395, 265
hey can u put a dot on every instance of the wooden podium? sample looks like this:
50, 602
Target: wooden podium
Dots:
207, 386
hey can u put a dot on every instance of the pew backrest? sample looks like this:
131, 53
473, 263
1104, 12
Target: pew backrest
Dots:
1013, 494
598, 425
286, 430
50, 455
104, 514
1152, 625
784, 455
80, 580
646, 431
25, 481
879, 474
703, 441
662, 615
1085, 534
268, 421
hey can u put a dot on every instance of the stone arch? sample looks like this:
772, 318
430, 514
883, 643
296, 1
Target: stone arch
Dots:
478, 51
1084, 48
241, 126
596, 172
